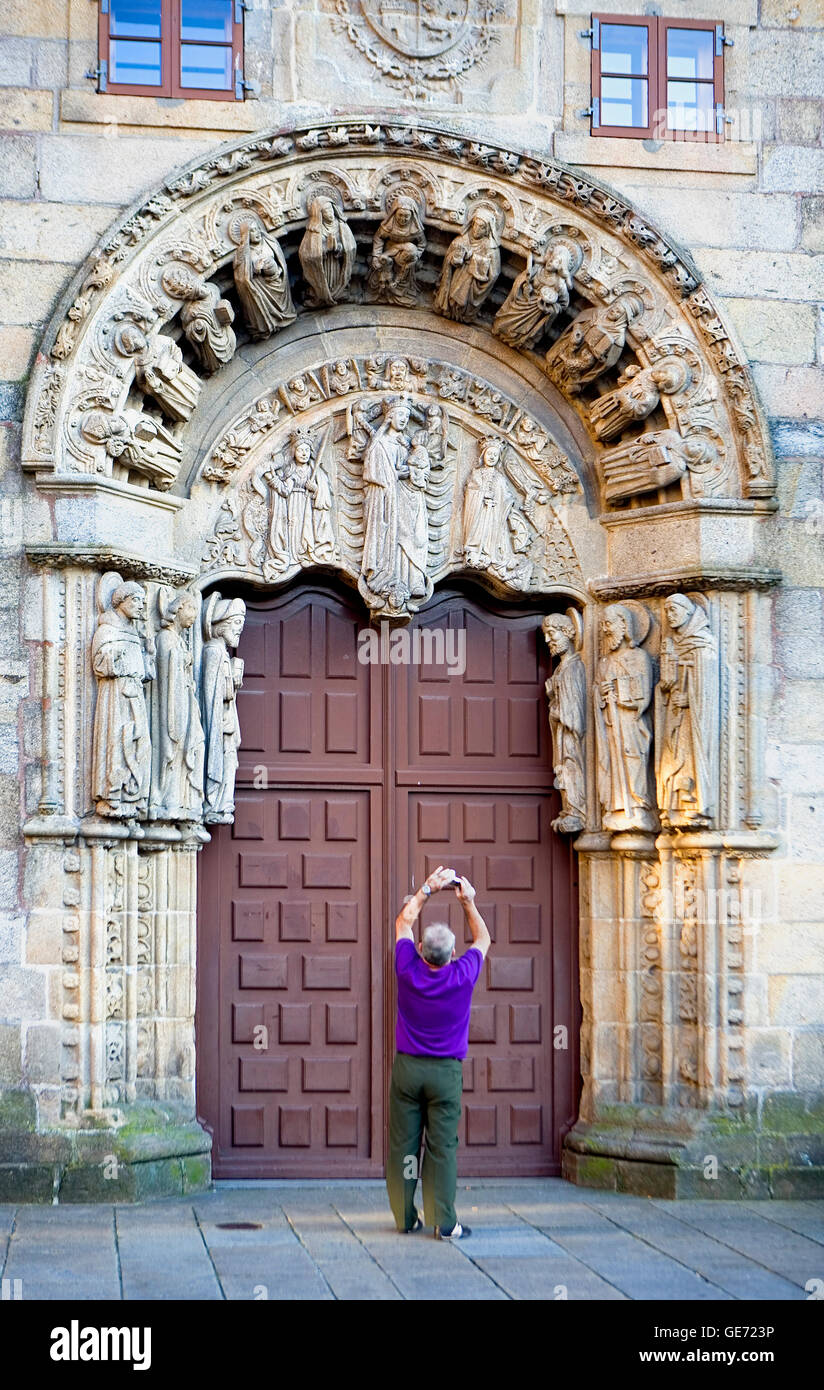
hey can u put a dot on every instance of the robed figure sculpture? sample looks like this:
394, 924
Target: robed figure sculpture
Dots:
122, 661
623, 729
567, 694
395, 524
221, 675
261, 279
687, 717
177, 733
327, 252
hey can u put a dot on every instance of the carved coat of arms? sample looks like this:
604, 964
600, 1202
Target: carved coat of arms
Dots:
418, 43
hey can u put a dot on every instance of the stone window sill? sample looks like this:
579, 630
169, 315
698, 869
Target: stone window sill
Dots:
734, 157
164, 113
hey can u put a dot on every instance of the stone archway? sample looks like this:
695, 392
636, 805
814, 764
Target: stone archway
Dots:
396, 313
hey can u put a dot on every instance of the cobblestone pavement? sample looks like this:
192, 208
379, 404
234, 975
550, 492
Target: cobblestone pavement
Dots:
532, 1239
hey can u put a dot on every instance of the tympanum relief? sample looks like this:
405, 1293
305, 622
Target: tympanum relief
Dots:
398, 472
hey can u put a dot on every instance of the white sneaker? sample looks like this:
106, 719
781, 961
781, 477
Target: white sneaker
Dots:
458, 1232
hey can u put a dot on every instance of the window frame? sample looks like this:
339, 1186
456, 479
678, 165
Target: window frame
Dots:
170, 46
658, 28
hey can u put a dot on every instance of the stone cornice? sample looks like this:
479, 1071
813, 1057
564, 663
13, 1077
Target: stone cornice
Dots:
661, 582
57, 555
691, 510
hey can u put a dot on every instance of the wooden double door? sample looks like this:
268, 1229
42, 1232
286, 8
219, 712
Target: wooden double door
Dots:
356, 780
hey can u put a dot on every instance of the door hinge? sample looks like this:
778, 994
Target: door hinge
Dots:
721, 39
100, 75
721, 119
593, 34
240, 6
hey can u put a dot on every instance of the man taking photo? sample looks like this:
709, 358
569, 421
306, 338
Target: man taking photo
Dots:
432, 1036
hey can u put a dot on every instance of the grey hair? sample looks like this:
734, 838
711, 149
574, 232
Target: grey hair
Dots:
437, 944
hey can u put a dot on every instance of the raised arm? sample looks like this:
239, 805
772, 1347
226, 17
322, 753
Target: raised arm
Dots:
480, 935
410, 911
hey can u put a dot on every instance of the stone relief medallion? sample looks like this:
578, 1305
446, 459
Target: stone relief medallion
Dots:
421, 42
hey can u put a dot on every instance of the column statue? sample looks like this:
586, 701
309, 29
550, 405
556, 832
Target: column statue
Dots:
567, 693
687, 717
122, 661
220, 679
177, 733
623, 732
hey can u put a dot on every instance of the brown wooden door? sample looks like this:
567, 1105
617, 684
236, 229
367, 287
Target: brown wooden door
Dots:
355, 781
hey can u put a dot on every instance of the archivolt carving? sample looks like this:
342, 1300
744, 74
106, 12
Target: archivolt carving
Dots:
599, 296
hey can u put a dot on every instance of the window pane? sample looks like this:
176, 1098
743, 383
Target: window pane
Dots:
206, 19
690, 53
135, 63
202, 66
137, 19
690, 106
624, 48
623, 101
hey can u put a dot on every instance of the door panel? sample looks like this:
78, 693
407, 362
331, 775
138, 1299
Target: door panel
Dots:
355, 782
296, 987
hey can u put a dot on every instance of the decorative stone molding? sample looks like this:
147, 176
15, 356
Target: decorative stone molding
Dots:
391, 193
704, 581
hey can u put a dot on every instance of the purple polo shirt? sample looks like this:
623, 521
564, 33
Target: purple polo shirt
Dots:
433, 1005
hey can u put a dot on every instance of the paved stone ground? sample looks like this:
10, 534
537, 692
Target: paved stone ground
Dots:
337, 1240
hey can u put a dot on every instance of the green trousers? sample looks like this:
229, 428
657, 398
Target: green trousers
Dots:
425, 1093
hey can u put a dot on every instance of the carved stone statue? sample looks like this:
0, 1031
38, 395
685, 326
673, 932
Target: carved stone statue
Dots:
221, 676
261, 278
160, 371
623, 732
567, 693
176, 792
397, 247
655, 460
327, 252
538, 295
205, 317
494, 531
471, 266
122, 661
687, 717
637, 394
593, 342
395, 523
137, 442
300, 528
